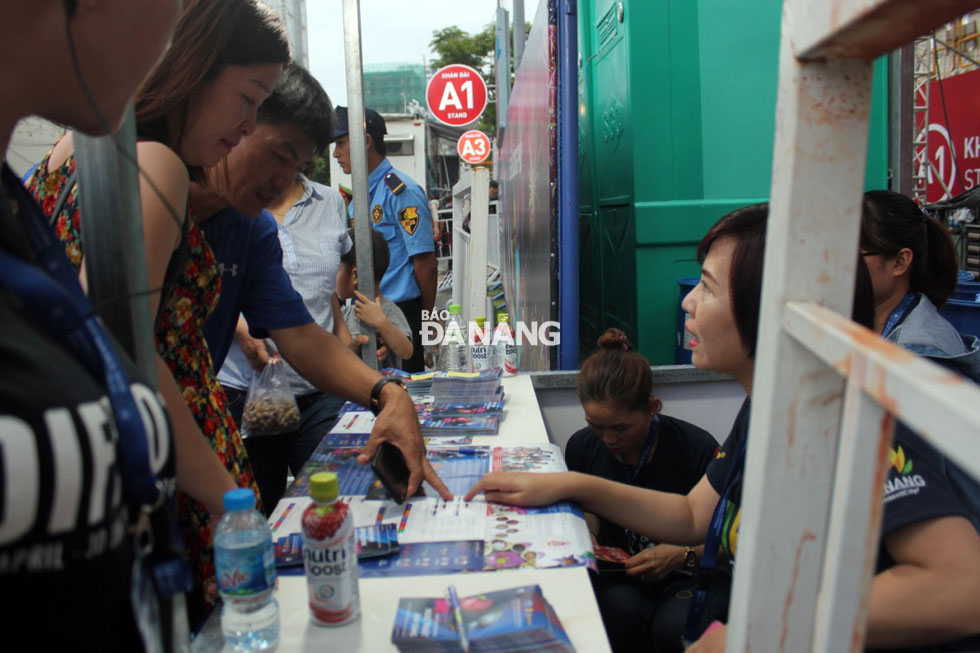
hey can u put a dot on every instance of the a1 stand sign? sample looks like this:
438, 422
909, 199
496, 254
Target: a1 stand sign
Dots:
473, 147
456, 95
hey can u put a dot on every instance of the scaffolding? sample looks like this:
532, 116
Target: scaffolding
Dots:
949, 50
921, 78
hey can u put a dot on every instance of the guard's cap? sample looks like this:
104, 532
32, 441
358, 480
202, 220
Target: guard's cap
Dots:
375, 124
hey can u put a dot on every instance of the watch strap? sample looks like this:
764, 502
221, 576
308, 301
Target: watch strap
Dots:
375, 402
690, 557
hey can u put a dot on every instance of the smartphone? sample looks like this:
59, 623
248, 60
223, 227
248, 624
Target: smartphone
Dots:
390, 468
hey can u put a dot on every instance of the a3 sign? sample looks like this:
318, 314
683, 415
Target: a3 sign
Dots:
473, 147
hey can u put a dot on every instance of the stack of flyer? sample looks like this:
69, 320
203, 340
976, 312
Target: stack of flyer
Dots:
478, 408
418, 385
468, 387
461, 418
460, 425
512, 620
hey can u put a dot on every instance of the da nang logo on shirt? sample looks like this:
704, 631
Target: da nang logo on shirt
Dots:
901, 481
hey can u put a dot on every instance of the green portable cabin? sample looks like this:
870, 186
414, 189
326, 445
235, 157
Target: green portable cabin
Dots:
677, 104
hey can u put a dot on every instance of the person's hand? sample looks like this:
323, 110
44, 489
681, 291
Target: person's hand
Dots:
655, 562
398, 423
356, 342
382, 352
369, 311
713, 641
522, 488
254, 351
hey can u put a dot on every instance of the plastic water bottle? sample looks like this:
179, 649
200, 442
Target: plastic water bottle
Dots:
330, 554
454, 348
481, 354
245, 566
504, 345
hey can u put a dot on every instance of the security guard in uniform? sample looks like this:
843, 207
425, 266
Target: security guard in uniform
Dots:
400, 211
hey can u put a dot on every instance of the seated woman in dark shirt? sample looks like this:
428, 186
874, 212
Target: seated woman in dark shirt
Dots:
627, 440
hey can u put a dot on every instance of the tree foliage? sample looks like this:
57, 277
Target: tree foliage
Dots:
320, 172
453, 45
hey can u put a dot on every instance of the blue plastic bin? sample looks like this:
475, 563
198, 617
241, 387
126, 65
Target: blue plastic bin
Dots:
682, 352
965, 316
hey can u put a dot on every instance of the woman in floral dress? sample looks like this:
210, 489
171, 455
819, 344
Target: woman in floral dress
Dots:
225, 58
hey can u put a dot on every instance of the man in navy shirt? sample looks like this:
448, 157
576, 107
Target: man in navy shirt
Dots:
247, 250
400, 212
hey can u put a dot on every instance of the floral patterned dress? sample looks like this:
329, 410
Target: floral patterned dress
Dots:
180, 342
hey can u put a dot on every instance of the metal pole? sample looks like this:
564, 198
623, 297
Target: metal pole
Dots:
115, 251
359, 165
503, 70
568, 226
519, 35
901, 125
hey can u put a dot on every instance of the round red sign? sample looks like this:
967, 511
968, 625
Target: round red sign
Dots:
473, 146
456, 95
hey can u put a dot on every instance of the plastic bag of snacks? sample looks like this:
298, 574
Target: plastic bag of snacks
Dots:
270, 407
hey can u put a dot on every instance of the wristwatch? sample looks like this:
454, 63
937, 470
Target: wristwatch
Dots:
375, 403
690, 558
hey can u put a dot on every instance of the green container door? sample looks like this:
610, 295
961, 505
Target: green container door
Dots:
613, 129
677, 116
607, 276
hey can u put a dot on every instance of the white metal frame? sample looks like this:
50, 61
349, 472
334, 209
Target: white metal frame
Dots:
470, 249
827, 392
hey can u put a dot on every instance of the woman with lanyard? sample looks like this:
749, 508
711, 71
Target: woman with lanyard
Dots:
87, 451
927, 593
913, 268
628, 440
194, 107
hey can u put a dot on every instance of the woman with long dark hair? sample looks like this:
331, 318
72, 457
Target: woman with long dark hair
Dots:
225, 59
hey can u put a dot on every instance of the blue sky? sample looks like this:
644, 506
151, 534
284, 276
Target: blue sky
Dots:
392, 31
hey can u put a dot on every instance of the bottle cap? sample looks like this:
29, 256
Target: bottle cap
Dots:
324, 486
239, 499
502, 317
455, 309
480, 321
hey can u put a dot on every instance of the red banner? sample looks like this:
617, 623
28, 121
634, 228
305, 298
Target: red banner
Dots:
954, 147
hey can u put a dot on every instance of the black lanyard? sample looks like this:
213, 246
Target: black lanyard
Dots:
647, 448
712, 542
896, 316
51, 291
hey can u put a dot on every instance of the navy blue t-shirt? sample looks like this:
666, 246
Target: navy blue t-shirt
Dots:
679, 461
918, 488
66, 554
253, 281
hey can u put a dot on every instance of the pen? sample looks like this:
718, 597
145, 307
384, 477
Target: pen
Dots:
468, 450
458, 614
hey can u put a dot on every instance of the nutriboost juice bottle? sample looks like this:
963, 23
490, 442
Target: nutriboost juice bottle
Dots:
330, 554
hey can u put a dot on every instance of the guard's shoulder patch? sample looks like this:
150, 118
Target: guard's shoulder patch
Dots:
409, 218
394, 184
